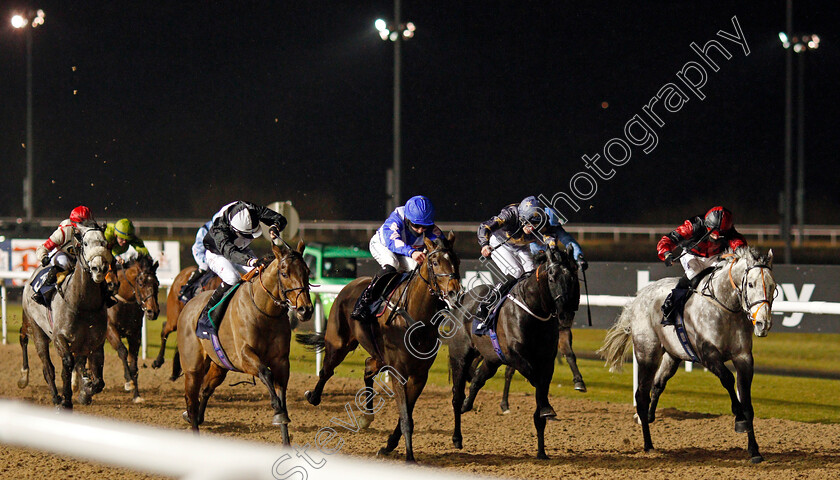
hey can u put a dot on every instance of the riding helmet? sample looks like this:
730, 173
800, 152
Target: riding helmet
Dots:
420, 211
718, 220
529, 210
80, 214
245, 225
124, 229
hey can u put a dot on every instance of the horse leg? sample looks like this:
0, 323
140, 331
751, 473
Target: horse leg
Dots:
543, 410
394, 438
647, 370
114, 339
744, 368
193, 380
484, 372
413, 389
564, 347
667, 368
42, 346
251, 361
332, 358
23, 381
67, 365
133, 351
369, 412
213, 378
509, 371
280, 372
459, 366
166, 329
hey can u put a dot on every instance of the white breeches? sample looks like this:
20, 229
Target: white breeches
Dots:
224, 268
511, 259
386, 257
694, 264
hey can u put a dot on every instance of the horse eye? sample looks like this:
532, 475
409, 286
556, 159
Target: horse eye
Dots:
750, 284
435, 264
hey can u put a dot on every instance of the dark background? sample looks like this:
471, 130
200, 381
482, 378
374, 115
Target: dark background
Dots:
172, 109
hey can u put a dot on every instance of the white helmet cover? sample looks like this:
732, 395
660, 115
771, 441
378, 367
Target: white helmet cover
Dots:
242, 223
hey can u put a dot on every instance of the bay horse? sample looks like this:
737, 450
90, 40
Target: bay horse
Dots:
174, 307
254, 333
527, 330
75, 322
730, 305
564, 350
137, 297
407, 339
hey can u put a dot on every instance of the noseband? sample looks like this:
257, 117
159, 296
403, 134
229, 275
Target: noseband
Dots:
433, 287
285, 300
743, 291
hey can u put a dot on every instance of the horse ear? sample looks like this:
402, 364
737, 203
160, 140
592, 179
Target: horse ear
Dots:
429, 245
300, 246
279, 250
770, 258
451, 239
155, 265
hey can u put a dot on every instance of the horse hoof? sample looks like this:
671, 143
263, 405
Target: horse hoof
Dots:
547, 412
85, 399
366, 420
542, 456
757, 459
506, 411
157, 363
186, 416
138, 400
23, 381
57, 400
310, 398
580, 387
742, 426
129, 385
383, 452
466, 407
637, 419
173, 378
281, 419
459, 444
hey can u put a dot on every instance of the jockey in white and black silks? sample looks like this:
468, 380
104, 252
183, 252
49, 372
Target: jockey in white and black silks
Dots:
228, 241
398, 246
507, 238
701, 238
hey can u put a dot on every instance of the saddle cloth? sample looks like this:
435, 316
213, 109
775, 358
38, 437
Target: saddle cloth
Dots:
377, 306
208, 325
493, 316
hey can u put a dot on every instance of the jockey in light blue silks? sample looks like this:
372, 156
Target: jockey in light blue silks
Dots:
398, 246
198, 251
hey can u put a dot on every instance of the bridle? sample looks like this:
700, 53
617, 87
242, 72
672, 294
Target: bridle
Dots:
434, 287
141, 301
744, 303
284, 292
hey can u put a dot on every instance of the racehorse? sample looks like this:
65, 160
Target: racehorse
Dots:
174, 306
741, 285
527, 331
137, 298
407, 336
564, 350
254, 333
76, 320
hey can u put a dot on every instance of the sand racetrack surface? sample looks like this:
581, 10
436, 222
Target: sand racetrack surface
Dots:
589, 439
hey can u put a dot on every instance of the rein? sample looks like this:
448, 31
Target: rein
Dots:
285, 300
433, 288
742, 290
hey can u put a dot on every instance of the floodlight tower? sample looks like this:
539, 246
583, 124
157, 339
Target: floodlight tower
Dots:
396, 33
28, 22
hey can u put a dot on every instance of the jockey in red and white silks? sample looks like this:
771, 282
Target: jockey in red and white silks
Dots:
63, 241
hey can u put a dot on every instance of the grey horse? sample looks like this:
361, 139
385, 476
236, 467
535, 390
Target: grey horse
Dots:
731, 304
76, 322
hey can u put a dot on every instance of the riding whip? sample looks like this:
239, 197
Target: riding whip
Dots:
586, 287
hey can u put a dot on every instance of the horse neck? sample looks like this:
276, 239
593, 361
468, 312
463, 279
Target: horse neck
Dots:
536, 292
420, 303
81, 290
127, 287
722, 284
269, 279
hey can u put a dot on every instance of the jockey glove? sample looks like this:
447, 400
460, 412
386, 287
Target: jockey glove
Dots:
669, 259
45, 261
583, 264
274, 230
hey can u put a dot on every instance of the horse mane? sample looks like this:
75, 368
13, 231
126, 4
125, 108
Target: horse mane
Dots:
751, 255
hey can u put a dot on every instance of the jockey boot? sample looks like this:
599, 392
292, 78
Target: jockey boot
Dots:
492, 297
110, 301
186, 291
217, 296
50, 279
361, 311
669, 306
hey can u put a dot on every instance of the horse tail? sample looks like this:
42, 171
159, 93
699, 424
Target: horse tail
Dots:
176, 366
312, 341
618, 342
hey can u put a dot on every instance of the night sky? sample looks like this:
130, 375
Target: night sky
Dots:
172, 109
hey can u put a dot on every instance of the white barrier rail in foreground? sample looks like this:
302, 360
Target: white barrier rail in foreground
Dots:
185, 455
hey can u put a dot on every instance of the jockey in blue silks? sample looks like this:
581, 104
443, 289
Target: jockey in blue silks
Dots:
398, 246
509, 239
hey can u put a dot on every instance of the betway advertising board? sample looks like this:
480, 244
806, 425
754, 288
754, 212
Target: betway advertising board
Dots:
794, 284
18, 255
